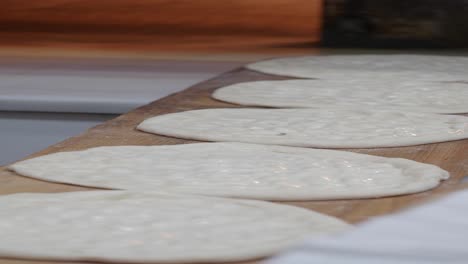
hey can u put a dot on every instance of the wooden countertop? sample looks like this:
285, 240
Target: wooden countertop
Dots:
451, 156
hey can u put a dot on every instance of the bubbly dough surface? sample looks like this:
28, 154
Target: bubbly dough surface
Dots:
384, 67
236, 170
409, 95
323, 128
150, 227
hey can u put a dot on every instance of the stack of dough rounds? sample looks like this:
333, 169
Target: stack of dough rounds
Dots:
383, 67
236, 170
400, 95
321, 128
150, 227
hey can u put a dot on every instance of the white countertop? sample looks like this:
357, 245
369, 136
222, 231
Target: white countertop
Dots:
110, 86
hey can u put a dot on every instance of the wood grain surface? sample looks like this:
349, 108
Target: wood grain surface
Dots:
159, 25
451, 156
181, 17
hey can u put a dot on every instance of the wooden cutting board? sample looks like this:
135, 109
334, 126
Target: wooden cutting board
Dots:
451, 156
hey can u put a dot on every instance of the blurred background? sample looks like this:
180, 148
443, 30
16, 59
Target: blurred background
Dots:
67, 65
159, 26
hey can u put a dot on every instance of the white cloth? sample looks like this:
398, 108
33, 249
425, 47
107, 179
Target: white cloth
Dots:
433, 233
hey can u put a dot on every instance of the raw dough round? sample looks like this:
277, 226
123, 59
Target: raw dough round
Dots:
150, 227
322, 128
345, 67
237, 170
409, 95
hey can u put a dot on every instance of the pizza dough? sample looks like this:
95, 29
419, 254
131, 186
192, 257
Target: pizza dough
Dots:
236, 170
388, 67
150, 227
322, 128
410, 95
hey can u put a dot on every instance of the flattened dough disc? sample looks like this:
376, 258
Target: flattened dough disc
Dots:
322, 128
236, 170
149, 227
408, 95
346, 67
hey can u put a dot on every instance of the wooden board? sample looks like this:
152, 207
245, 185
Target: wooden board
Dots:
451, 156
162, 17
159, 25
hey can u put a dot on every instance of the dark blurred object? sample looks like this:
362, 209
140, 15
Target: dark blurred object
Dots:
395, 23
